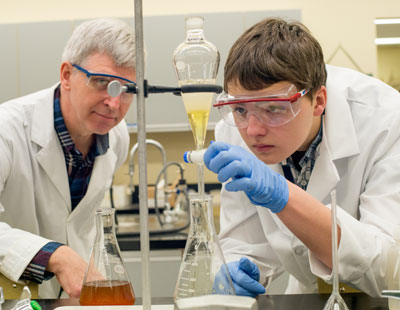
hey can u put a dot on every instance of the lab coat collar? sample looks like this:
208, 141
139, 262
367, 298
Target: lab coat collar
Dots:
339, 139
339, 132
42, 117
49, 155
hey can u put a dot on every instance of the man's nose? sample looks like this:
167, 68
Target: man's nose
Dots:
255, 127
113, 102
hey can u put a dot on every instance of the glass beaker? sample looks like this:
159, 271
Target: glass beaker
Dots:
106, 281
203, 270
196, 61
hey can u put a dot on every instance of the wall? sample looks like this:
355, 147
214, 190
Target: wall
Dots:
389, 64
349, 23
345, 24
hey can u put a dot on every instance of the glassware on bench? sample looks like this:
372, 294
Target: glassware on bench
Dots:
203, 269
106, 281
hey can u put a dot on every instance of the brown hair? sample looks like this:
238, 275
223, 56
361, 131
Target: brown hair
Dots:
275, 50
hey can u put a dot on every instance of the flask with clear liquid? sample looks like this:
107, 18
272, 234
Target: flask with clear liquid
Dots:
203, 270
393, 270
196, 61
106, 281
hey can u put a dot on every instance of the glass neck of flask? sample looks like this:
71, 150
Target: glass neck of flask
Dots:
200, 215
105, 223
194, 35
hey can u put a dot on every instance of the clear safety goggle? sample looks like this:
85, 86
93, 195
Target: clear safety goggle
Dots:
99, 82
271, 109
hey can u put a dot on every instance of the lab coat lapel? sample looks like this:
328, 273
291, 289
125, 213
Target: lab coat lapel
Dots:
50, 155
102, 174
100, 181
324, 176
339, 141
53, 163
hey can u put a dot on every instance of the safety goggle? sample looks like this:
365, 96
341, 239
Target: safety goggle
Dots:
270, 109
99, 82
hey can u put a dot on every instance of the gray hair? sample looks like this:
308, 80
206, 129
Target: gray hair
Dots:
104, 35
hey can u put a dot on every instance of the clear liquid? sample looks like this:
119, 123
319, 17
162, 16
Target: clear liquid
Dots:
195, 277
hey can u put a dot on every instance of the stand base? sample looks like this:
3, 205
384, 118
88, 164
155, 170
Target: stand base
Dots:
335, 302
216, 302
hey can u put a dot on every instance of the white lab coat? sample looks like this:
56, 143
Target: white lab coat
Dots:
34, 188
360, 157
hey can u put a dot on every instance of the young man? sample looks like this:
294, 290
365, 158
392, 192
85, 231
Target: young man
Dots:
294, 130
59, 149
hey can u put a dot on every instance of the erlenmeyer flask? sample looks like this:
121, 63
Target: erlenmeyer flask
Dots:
106, 281
203, 270
196, 61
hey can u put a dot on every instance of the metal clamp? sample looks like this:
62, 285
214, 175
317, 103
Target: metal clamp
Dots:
115, 88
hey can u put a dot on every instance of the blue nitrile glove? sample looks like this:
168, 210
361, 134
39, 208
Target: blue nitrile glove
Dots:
262, 185
245, 276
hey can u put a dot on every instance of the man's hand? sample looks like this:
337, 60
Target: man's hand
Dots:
69, 268
262, 185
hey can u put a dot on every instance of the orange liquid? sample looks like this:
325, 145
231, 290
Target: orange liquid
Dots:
105, 292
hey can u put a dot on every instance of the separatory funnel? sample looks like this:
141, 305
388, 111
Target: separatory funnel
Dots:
196, 61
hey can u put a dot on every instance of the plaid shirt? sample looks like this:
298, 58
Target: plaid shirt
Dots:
302, 177
79, 171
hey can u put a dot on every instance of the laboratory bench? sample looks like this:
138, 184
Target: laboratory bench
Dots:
170, 236
354, 301
157, 242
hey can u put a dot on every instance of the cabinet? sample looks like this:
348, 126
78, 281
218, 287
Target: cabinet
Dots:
164, 269
31, 57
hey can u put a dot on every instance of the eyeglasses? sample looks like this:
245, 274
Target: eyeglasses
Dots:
99, 82
272, 110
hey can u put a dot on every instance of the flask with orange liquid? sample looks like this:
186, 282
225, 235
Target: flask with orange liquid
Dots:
106, 281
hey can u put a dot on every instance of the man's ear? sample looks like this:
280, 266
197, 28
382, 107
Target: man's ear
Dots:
65, 75
320, 100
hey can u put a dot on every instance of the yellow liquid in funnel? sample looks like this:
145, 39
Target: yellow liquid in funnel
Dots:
197, 107
198, 121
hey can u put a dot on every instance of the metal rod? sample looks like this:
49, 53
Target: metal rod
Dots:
335, 264
141, 136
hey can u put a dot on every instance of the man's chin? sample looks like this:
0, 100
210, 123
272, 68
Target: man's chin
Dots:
101, 130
